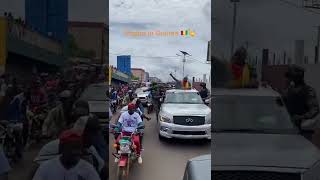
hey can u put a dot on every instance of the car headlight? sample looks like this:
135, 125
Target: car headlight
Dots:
208, 119
165, 119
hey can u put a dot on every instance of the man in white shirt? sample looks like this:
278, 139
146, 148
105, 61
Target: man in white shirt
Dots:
69, 165
129, 122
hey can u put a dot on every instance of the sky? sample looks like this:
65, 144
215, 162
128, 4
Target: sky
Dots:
157, 54
79, 10
271, 24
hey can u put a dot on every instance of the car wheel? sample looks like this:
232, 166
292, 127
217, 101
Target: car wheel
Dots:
161, 138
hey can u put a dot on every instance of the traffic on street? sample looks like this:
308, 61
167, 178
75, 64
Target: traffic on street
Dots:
169, 141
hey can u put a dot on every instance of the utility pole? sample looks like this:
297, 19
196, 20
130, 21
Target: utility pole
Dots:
234, 24
183, 60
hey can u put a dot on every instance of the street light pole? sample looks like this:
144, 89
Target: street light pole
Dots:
183, 60
234, 24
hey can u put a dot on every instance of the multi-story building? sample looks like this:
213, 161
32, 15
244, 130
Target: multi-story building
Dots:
91, 36
49, 17
139, 73
124, 64
146, 77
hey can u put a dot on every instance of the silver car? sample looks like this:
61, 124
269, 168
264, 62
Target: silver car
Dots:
96, 96
184, 115
254, 138
198, 168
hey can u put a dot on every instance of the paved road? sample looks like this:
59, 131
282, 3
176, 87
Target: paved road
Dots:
23, 168
161, 160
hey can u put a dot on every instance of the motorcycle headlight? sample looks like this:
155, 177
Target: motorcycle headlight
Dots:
165, 119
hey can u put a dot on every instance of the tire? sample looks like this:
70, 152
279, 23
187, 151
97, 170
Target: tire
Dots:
161, 138
123, 173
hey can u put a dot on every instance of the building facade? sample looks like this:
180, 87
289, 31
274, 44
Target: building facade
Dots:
49, 17
124, 64
91, 36
146, 77
154, 79
139, 73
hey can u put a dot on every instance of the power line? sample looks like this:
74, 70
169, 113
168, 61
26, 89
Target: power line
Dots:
157, 57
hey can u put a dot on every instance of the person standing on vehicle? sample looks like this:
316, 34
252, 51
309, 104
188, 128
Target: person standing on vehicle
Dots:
300, 99
59, 118
69, 165
4, 166
128, 123
184, 84
240, 69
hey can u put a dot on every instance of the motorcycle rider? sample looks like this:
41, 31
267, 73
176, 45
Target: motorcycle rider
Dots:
59, 117
114, 99
69, 164
300, 99
156, 95
128, 123
38, 96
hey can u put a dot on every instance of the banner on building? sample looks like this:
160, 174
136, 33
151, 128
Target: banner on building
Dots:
3, 44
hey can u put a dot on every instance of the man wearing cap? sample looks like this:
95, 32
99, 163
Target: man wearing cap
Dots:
128, 123
300, 99
59, 117
69, 164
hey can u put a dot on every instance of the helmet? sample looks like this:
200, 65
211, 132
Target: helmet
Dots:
295, 72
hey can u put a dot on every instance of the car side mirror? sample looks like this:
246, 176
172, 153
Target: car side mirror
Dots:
207, 101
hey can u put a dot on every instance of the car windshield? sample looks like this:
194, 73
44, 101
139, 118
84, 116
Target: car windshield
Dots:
183, 98
95, 93
251, 114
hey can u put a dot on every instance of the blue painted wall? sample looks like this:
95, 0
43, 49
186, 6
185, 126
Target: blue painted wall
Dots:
48, 16
124, 64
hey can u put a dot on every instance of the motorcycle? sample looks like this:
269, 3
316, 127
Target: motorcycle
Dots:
36, 117
126, 151
9, 138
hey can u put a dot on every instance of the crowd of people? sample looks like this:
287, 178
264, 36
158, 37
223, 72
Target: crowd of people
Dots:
66, 124
128, 122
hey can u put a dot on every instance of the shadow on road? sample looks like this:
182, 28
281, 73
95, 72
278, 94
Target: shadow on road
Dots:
186, 142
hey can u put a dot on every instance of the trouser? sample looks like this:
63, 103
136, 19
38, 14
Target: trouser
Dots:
156, 106
135, 139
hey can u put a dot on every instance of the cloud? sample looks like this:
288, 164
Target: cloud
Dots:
133, 25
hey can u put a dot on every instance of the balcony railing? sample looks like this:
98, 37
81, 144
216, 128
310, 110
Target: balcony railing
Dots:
21, 32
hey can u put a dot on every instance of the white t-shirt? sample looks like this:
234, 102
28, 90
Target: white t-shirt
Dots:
51, 150
129, 122
53, 170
